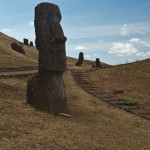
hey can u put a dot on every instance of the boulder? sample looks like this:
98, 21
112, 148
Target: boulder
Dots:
18, 47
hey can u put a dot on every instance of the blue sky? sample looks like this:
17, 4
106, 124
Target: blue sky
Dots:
115, 31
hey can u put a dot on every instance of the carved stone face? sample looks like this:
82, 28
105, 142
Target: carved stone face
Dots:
50, 39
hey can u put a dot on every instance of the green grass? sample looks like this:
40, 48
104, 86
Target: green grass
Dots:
131, 101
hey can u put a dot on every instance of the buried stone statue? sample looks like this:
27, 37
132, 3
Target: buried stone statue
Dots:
80, 59
46, 90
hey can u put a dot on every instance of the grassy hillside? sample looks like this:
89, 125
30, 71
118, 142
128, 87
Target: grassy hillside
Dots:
94, 125
133, 78
12, 59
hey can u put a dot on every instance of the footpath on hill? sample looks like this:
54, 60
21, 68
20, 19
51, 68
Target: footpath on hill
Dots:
82, 80
17, 73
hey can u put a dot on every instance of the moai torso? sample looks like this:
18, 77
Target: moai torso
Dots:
50, 39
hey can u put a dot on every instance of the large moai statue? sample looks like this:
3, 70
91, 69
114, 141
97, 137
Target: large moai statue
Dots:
98, 63
80, 59
46, 90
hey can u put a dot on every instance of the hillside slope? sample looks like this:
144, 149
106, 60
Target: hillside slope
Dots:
12, 59
133, 78
94, 125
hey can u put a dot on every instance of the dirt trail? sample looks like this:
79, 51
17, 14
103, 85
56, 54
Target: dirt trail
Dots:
81, 78
17, 73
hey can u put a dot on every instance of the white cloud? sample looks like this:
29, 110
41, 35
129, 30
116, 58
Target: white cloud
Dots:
95, 54
121, 49
139, 41
31, 23
143, 54
80, 48
106, 30
124, 30
145, 44
6, 30
135, 40
127, 49
88, 56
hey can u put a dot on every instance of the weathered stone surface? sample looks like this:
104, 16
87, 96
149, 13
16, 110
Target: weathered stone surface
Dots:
46, 90
18, 47
98, 63
31, 43
50, 39
80, 59
26, 41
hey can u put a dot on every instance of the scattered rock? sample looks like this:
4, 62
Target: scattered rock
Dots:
18, 47
65, 115
116, 92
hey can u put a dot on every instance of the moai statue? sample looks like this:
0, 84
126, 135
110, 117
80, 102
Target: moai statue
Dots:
46, 90
98, 63
26, 41
31, 43
80, 59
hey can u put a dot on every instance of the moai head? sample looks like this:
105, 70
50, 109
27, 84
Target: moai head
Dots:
31, 43
50, 39
98, 64
25, 41
81, 58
